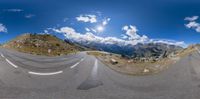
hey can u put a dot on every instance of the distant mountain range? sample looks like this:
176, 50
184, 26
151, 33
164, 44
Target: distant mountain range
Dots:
45, 44
133, 51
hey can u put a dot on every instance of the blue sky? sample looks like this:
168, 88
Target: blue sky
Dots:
157, 19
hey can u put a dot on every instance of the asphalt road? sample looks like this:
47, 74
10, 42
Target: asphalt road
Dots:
80, 76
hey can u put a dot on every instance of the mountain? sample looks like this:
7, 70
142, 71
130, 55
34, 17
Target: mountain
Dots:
45, 44
139, 50
42, 44
157, 50
190, 49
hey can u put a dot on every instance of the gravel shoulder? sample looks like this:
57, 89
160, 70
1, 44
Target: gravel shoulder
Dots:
131, 67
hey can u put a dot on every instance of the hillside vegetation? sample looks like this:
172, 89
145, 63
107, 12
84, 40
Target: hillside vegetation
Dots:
42, 44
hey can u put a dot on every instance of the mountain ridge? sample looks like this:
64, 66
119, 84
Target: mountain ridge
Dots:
42, 44
139, 50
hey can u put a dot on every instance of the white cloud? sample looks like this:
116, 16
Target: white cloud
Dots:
70, 33
198, 29
87, 18
124, 36
87, 29
88, 37
131, 32
13, 10
29, 16
3, 28
93, 30
105, 22
193, 18
170, 42
192, 23
46, 31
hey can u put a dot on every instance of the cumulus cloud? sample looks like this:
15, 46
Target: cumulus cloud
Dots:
91, 18
193, 18
13, 10
89, 37
131, 32
3, 28
192, 23
87, 18
70, 33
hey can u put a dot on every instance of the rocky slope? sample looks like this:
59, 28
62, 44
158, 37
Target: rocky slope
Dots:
154, 50
42, 44
190, 49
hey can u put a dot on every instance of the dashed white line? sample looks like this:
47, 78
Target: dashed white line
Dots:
45, 74
2, 56
54, 73
12, 64
77, 63
74, 65
15, 66
94, 69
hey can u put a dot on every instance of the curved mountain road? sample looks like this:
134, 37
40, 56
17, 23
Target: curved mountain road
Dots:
80, 76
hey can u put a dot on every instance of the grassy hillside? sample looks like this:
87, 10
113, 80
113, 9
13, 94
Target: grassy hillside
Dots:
42, 44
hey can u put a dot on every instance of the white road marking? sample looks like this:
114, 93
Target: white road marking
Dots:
94, 69
2, 55
77, 63
15, 66
45, 74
